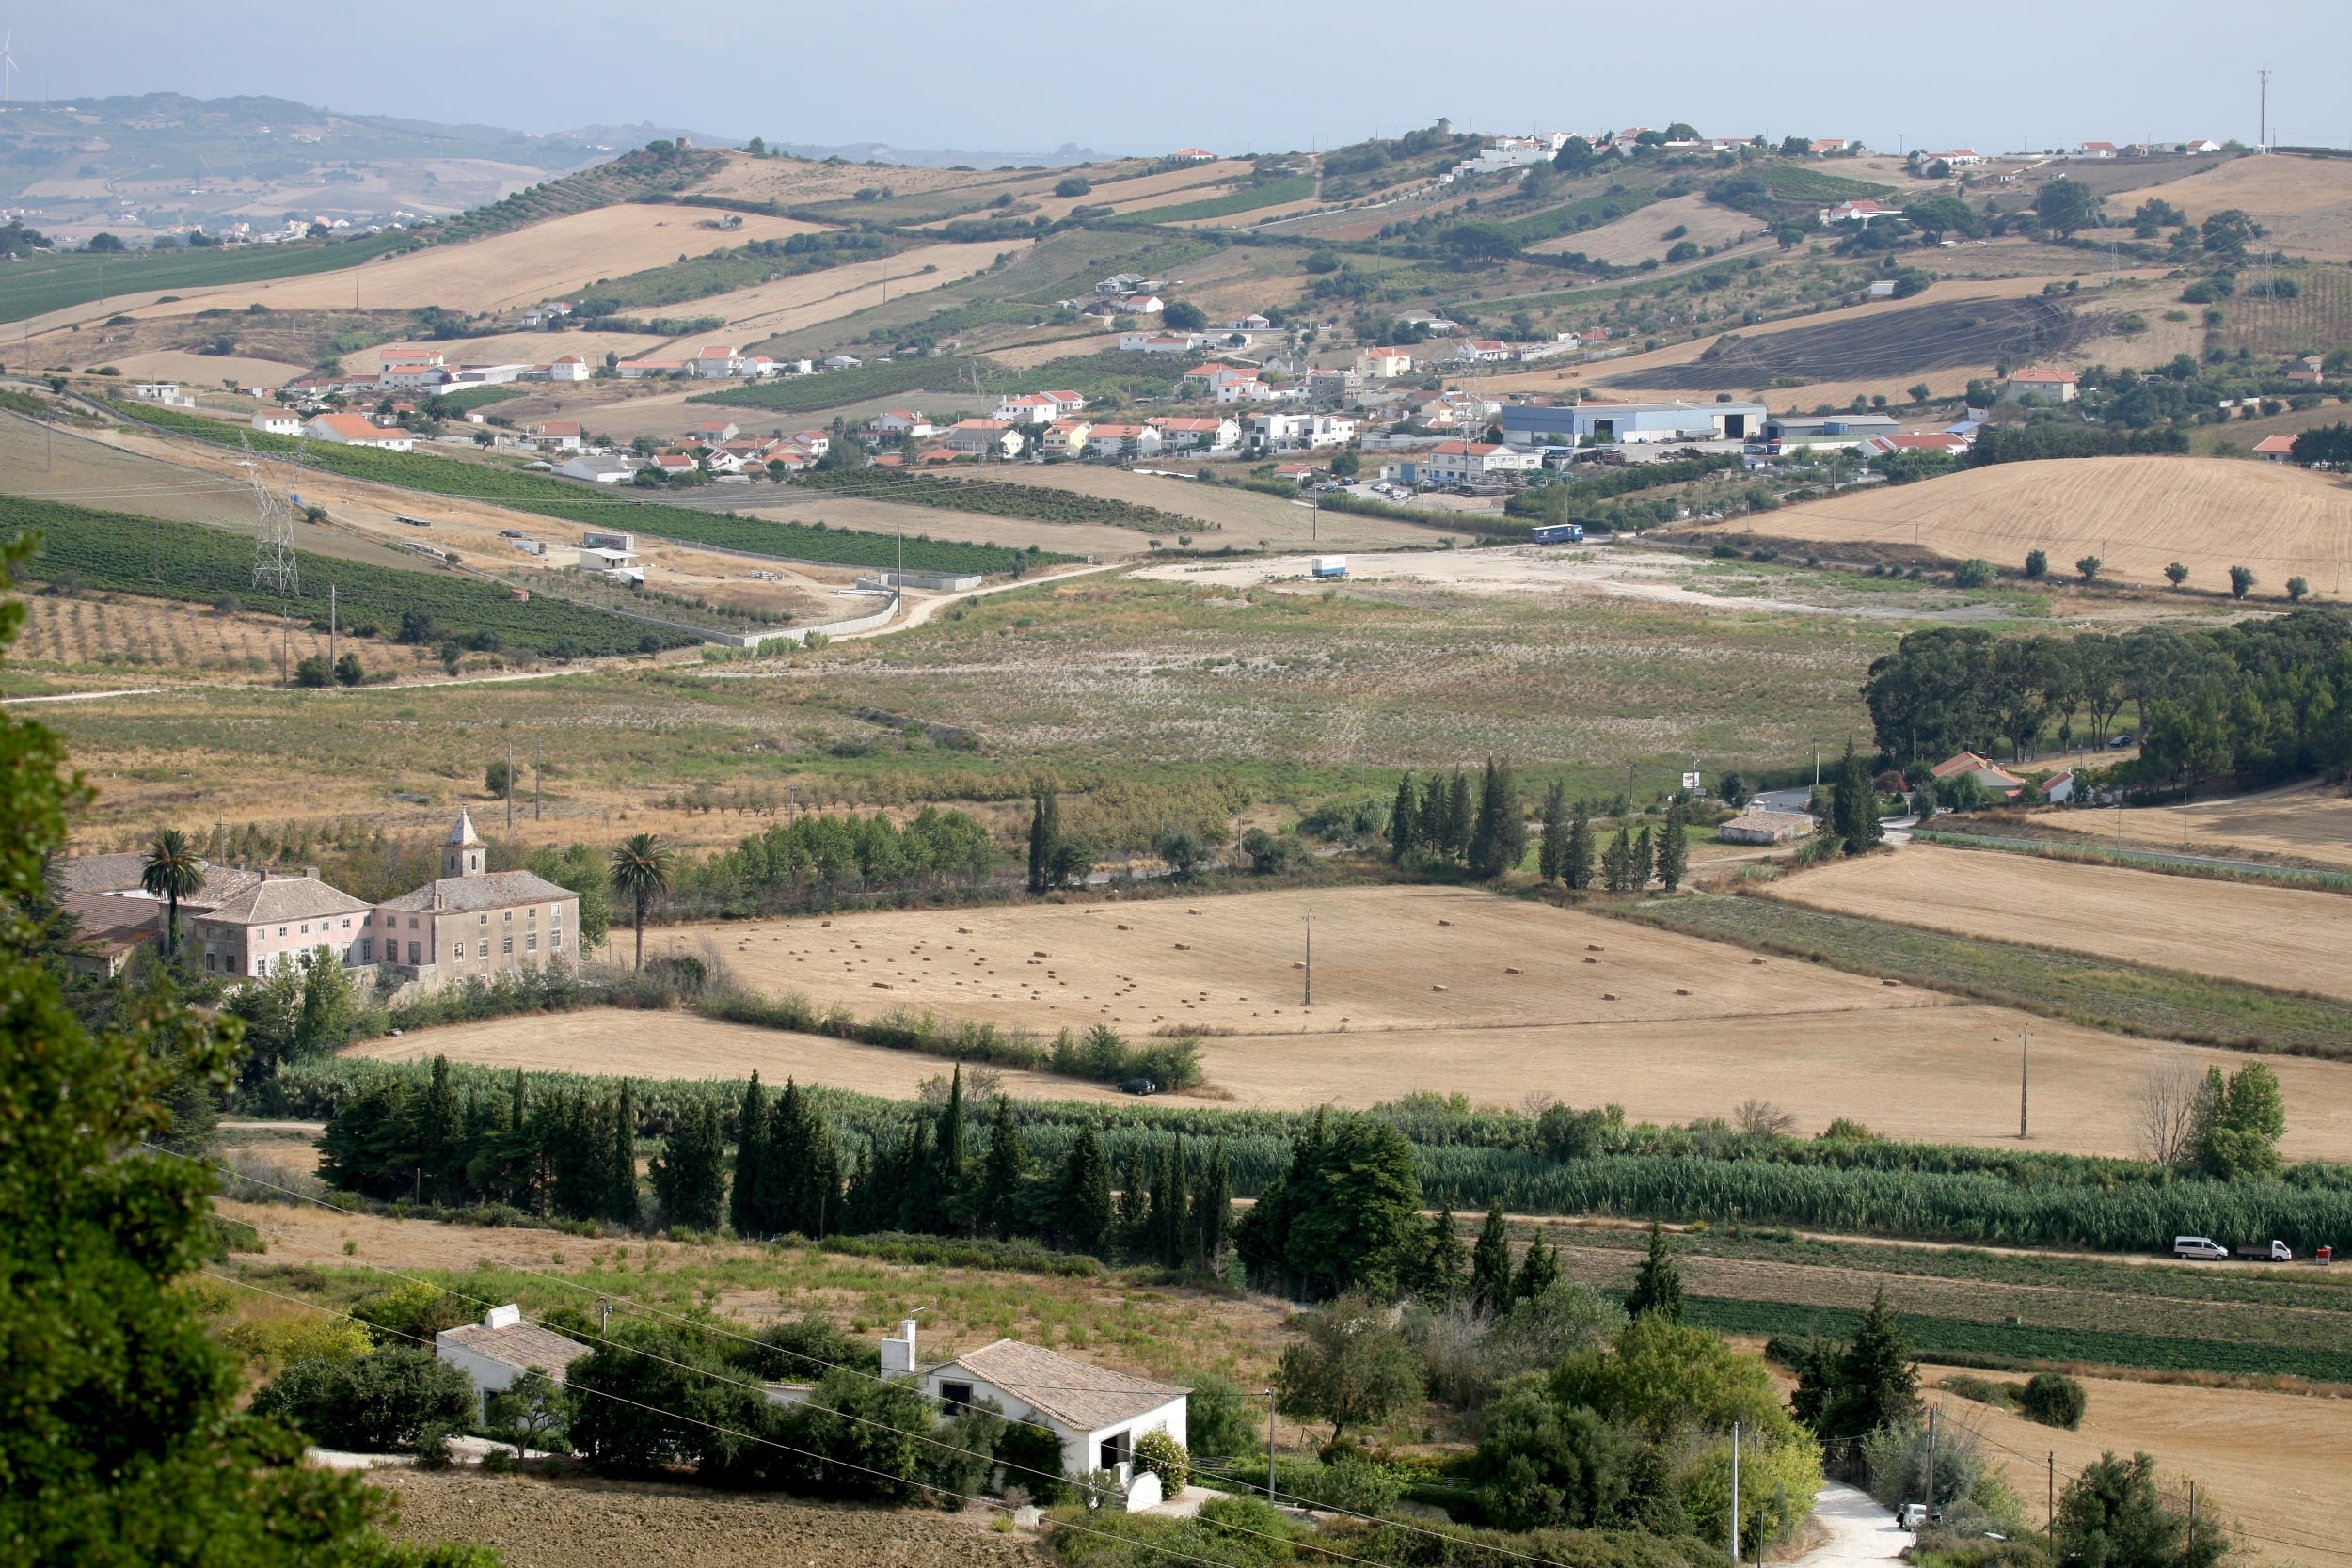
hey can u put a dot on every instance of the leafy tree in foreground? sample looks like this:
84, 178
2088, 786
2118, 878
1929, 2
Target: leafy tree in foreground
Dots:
1350, 1368
2240, 1119
119, 1439
2111, 1517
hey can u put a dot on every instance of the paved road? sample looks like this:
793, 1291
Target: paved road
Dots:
1860, 1532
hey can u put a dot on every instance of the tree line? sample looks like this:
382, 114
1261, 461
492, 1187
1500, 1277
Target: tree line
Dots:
2259, 700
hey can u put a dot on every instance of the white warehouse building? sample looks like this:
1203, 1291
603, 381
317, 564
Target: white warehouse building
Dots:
1608, 424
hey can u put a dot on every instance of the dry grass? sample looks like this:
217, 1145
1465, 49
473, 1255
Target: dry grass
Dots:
523, 348
1636, 238
2309, 821
2135, 514
200, 371
2269, 1463
1242, 517
2304, 203
1670, 1028
768, 309
136, 635
2281, 937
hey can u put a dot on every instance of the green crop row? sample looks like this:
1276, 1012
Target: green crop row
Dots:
55, 282
189, 561
1970, 1342
1298, 187
993, 499
581, 503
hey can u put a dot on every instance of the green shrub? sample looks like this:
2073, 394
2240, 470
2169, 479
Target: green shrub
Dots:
1032, 1460
375, 1404
1977, 573
1164, 1457
2054, 1400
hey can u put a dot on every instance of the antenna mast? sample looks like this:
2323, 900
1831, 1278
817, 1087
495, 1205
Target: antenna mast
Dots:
273, 564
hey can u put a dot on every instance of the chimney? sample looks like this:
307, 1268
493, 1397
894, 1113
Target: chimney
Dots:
311, 872
502, 1317
897, 1356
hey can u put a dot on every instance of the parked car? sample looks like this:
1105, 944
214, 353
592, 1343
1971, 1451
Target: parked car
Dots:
1138, 1086
2203, 1248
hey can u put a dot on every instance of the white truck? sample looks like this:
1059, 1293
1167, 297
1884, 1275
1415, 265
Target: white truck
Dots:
2205, 1250
1327, 567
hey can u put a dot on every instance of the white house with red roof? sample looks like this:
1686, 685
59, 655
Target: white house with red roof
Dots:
2056, 384
1192, 155
1379, 364
717, 362
1028, 408
1936, 440
415, 376
1065, 402
2279, 449
912, 423
357, 429
2098, 150
1957, 157
1112, 442
1160, 342
1179, 432
984, 437
1482, 351
556, 436
571, 367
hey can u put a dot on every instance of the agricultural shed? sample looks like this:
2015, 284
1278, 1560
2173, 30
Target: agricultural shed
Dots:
1757, 826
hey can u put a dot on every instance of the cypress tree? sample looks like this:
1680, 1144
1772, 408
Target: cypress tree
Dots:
1876, 1383
1404, 820
918, 1185
1082, 1195
689, 1176
816, 1202
1490, 1263
1134, 1202
1441, 1266
1616, 860
622, 1207
861, 1206
1657, 1288
951, 1161
1673, 847
1577, 866
1552, 857
1645, 863
440, 1141
1003, 1173
1174, 1210
1486, 844
751, 1140
1458, 815
1044, 837
1854, 805
782, 1161
1212, 1207
1539, 1271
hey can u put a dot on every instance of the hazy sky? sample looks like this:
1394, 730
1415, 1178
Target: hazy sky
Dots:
1997, 75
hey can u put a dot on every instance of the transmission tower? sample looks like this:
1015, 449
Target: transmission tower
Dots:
273, 564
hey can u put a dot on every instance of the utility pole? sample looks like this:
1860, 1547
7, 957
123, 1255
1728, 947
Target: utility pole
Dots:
1930, 1519
2191, 1554
330, 625
535, 776
510, 786
2025, 1060
2262, 132
1309, 999
1735, 1492
1269, 1446
2049, 1500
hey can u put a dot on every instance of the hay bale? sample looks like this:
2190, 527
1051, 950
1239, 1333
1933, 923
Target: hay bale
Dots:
1436, 988
1508, 970
1609, 997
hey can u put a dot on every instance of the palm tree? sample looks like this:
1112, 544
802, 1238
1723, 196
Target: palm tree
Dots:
641, 868
172, 871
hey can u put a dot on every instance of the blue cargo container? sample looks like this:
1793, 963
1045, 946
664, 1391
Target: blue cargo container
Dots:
1559, 533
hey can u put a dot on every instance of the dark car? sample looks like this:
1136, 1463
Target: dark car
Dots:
1138, 1086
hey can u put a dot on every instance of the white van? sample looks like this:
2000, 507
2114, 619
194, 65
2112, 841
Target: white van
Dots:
2202, 1248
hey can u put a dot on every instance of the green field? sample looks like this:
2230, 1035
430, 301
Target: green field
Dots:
584, 503
45, 283
115, 550
2106, 993
1298, 187
990, 498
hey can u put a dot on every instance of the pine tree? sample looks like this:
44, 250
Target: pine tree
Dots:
1657, 1288
622, 1207
1539, 1271
1490, 1263
1577, 868
1044, 838
1443, 1263
862, 1204
750, 1141
1875, 1381
1673, 847
1644, 861
1002, 1174
1618, 859
1551, 859
1083, 1213
689, 1176
1404, 820
1212, 1208
1458, 815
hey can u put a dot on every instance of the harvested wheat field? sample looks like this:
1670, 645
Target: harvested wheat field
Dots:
2135, 514
2266, 936
766, 309
539, 1523
547, 260
2310, 821
2303, 204
2268, 1466
1640, 235
1416, 989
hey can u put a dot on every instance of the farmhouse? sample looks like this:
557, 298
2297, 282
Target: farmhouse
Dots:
1860, 212
277, 422
978, 437
1991, 776
1757, 826
1379, 364
912, 423
1097, 1412
357, 429
1028, 408
2279, 449
263, 930
111, 929
569, 367
1189, 434
1945, 441
501, 1347
1112, 442
1461, 462
2058, 386
470, 921
1160, 342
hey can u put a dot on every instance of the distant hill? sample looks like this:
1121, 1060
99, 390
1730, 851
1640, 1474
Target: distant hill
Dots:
883, 152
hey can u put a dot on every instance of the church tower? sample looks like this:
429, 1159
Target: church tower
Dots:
461, 855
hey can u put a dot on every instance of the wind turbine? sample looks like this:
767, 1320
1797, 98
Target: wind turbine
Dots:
7, 68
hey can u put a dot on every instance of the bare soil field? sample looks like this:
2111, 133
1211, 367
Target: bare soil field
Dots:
1100, 540
2267, 936
514, 348
2310, 821
2135, 514
204, 369
1636, 238
538, 1523
547, 260
2267, 1466
1881, 343
2305, 204
1178, 187
1415, 988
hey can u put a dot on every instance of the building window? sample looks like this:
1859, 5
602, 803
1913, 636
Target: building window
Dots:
1116, 1449
282, 931
367, 949
485, 920
530, 942
306, 929
531, 914
412, 952
507, 945
508, 916
210, 962
482, 948
957, 1396
458, 951
346, 923
412, 922
555, 939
